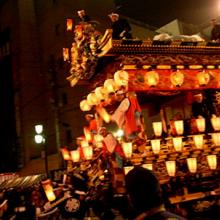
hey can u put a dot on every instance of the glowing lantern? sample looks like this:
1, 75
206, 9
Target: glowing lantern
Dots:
98, 140
216, 139
127, 148
84, 143
148, 166
69, 24
127, 169
110, 85
177, 78
192, 164
101, 93
171, 167
203, 78
155, 144
198, 141
87, 134
179, 127
200, 123
103, 113
84, 106
152, 78
157, 127
88, 152
66, 54
75, 155
92, 99
65, 154
48, 189
215, 123
177, 143
212, 161
121, 78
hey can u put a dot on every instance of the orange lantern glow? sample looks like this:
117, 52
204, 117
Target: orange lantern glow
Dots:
192, 164
88, 152
69, 24
75, 155
48, 189
155, 144
179, 127
200, 123
101, 93
212, 161
215, 122
110, 85
152, 78
65, 154
171, 168
87, 134
177, 143
148, 166
216, 138
66, 56
84, 106
198, 141
127, 169
177, 78
157, 127
127, 148
203, 78
121, 78
92, 99
103, 113
84, 143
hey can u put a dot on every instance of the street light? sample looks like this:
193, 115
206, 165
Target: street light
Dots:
40, 139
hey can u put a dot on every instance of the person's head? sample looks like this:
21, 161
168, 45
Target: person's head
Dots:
89, 117
143, 189
81, 13
198, 97
120, 95
114, 17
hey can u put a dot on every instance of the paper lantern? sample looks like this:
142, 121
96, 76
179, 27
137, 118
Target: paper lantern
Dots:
87, 134
127, 169
121, 78
203, 78
69, 24
177, 78
198, 141
171, 167
88, 152
84, 106
212, 161
101, 93
152, 78
192, 164
66, 54
215, 123
200, 123
179, 127
65, 154
75, 155
110, 85
48, 189
157, 127
127, 148
155, 144
148, 166
92, 99
216, 139
98, 140
177, 143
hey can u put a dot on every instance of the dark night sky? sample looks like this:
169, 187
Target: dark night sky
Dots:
160, 12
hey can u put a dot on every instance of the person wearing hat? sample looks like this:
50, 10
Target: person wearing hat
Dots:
145, 196
120, 27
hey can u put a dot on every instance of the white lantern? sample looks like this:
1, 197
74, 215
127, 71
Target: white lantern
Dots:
192, 164
75, 155
216, 138
92, 99
200, 123
155, 144
177, 143
171, 167
84, 106
157, 127
215, 123
212, 161
127, 148
88, 152
198, 141
110, 85
101, 93
179, 127
121, 78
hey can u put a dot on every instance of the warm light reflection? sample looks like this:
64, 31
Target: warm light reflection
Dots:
157, 127
177, 143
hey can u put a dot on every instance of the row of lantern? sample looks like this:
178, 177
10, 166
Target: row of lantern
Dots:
102, 92
179, 125
171, 165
